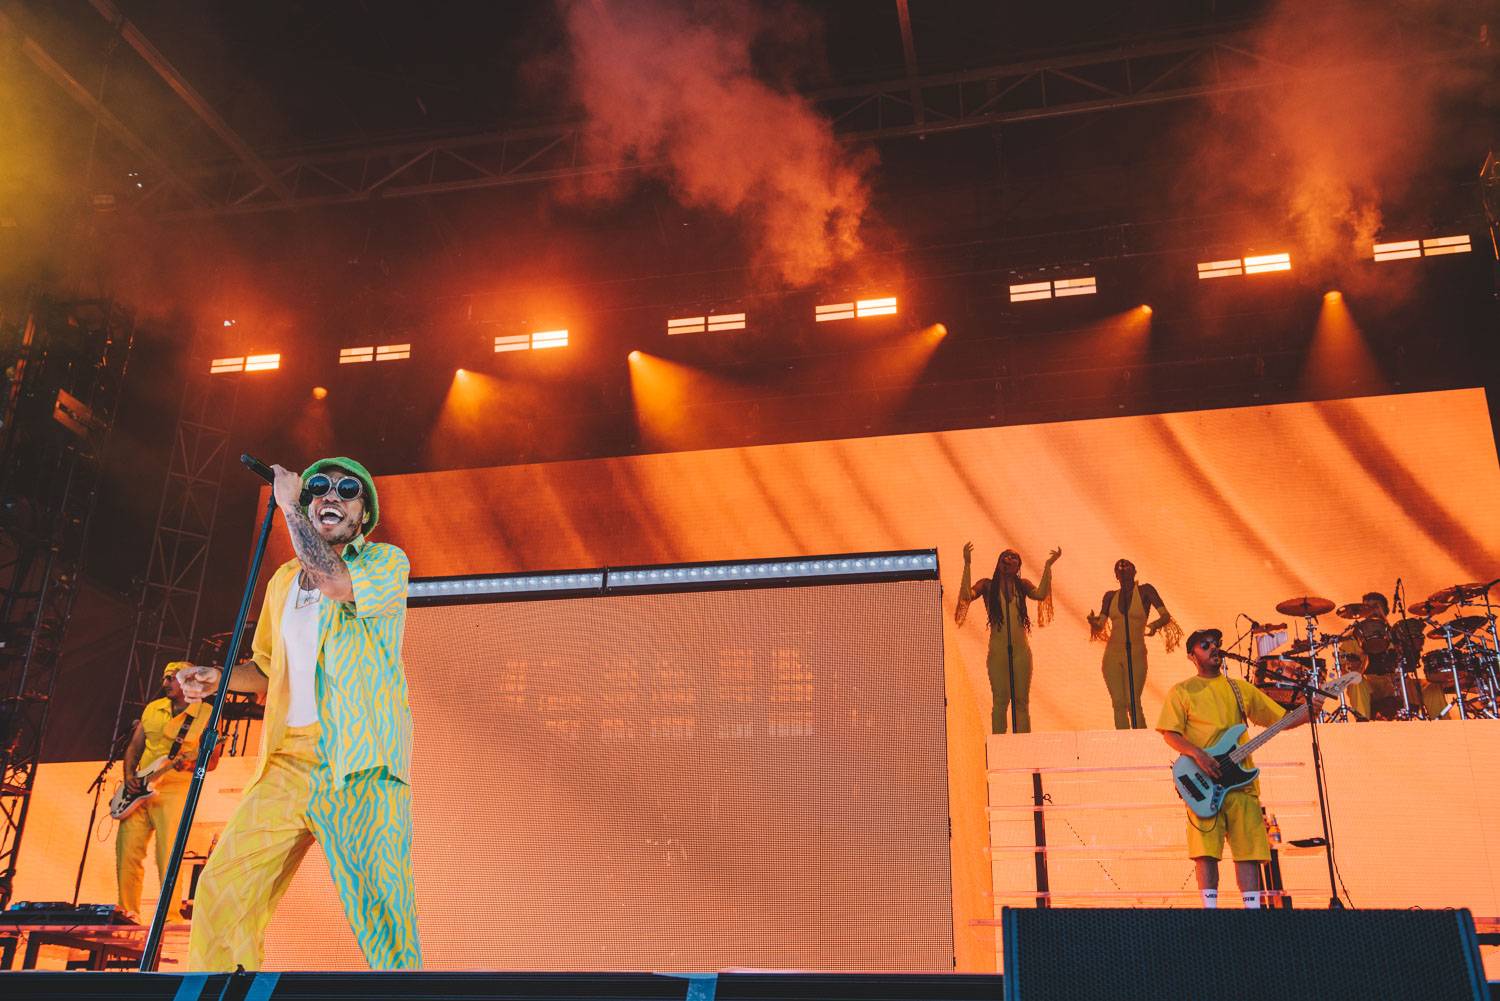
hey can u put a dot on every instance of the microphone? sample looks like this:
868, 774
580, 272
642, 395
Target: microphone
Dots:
266, 473
1236, 656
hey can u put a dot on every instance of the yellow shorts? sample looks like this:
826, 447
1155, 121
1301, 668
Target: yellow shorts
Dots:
1240, 822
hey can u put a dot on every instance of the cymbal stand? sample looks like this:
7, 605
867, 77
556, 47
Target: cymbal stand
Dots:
1458, 687
1491, 656
1343, 713
1402, 646
1314, 674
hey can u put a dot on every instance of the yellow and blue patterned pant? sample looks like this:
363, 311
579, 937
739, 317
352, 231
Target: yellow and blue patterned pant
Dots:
365, 830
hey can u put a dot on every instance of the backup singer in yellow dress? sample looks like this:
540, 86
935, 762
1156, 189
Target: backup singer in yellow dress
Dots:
1009, 661
1122, 626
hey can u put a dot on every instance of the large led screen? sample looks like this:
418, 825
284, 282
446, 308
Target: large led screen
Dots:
753, 778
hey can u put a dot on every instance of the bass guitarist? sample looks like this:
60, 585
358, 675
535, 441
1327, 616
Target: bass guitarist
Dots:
170, 729
1197, 712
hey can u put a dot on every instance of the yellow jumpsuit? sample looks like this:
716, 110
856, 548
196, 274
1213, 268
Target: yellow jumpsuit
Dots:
1010, 652
1118, 672
159, 815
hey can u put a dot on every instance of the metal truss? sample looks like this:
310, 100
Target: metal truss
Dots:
59, 416
166, 617
915, 105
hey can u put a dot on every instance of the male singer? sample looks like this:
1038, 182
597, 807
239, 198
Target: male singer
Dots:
337, 745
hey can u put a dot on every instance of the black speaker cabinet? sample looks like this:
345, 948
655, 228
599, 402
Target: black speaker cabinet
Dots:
1236, 954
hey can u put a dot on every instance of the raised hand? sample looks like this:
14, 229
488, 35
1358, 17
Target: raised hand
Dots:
968, 551
199, 681
1051, 559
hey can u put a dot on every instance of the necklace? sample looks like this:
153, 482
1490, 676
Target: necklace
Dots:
306, 596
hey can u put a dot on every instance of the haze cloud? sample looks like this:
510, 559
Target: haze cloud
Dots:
673, 87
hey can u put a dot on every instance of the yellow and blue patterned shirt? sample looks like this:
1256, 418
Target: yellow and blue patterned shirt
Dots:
362, 698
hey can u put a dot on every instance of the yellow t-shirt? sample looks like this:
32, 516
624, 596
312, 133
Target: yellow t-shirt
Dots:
1201, 709
160, 728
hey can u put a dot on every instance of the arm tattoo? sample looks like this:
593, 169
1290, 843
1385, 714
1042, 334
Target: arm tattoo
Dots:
315, 555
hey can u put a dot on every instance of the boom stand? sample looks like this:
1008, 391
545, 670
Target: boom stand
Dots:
151, 953
97, 789
1308, 690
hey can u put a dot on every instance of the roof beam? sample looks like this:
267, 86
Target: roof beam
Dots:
1137, 75
909, 50
190, 96
79, 93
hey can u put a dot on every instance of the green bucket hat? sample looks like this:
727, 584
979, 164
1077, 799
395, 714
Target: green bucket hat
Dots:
360, 473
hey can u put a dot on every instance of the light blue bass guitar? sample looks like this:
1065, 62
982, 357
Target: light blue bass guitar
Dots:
1203, 794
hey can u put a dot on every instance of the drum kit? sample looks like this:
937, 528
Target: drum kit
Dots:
1464, 664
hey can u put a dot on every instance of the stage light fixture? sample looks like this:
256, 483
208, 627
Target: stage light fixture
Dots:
221, 365
392, 352
549, 339
634, 356
1220, 269
320, 393
1397, 251
512, 342
353, 356
1059, 288
1028, 291
880, 306
1432, 246
1438, 245
706, 324
228, 323
1265, 263
262, 363
1252, 265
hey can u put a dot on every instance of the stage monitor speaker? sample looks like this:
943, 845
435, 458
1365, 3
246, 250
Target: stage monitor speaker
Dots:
1320, 955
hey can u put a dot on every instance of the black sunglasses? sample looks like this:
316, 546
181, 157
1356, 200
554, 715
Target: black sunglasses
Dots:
347, 487
1205, 644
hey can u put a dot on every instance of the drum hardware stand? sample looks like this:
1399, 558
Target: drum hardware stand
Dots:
1458, 688
1405, 713
1492, 655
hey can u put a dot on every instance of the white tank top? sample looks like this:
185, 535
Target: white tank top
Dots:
299, 637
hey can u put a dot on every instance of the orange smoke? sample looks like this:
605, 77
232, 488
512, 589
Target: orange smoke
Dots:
1347, 124
677, 94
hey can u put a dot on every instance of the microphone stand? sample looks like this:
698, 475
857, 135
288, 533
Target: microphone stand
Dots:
151, 953
1309, 689
97, 788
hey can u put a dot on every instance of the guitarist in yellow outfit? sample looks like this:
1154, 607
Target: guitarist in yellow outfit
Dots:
1195, 715
166, 736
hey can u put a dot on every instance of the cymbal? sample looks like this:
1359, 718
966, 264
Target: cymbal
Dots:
1305, 606
1427, 609
1461, 592
1463, 625
1355, 610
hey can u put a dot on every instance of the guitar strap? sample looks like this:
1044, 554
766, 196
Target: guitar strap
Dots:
189, 718
1239, 699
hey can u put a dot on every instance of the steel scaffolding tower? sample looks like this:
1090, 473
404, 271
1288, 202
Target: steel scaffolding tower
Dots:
65, 383
166, 616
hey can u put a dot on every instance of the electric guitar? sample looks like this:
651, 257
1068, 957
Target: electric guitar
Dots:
1203, 794
122, 804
